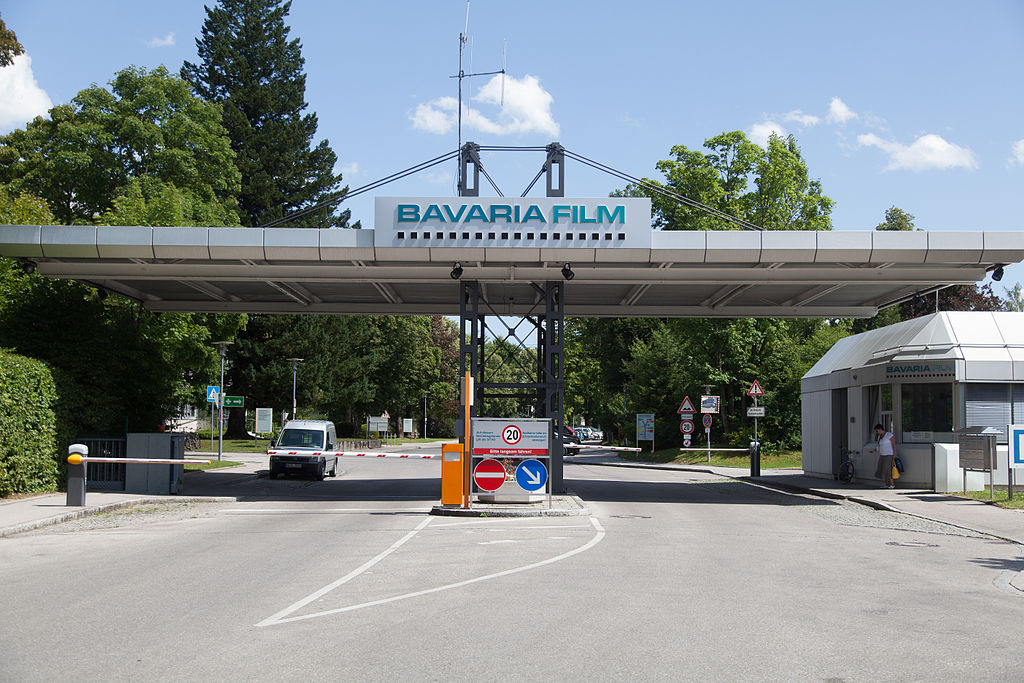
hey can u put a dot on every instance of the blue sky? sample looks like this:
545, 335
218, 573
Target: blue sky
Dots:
913, 104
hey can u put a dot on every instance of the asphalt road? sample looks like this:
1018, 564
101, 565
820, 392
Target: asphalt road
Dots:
674, 576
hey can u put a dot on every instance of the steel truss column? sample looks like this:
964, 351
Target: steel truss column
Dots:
548, 387
469, 154
556, 157
550, 345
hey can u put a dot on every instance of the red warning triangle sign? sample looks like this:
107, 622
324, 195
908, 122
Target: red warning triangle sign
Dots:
687, 406
755, 389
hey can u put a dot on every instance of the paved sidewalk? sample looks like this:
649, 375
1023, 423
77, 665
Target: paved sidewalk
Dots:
960, 512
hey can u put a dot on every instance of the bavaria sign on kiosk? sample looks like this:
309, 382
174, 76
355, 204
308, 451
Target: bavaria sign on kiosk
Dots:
510, 455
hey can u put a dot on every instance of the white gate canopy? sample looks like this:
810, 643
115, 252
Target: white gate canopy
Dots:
673, 274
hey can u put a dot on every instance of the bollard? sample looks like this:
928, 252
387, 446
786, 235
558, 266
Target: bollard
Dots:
755, 458
76, 474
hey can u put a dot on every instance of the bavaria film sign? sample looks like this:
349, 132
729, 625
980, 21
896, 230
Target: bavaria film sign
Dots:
606, 222
515, 438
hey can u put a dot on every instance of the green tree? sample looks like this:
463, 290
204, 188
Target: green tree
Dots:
248, 64
353, 366
9, 45
1015, 298
770, 186
148, 127
896, 219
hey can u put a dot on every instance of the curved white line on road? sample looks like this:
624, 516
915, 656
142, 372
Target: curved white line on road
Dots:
277, 618
280, 617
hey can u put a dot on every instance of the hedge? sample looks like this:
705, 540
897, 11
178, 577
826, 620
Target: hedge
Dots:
28, 426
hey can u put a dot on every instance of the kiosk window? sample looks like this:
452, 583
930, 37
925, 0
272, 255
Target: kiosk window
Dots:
927, 412
994, 405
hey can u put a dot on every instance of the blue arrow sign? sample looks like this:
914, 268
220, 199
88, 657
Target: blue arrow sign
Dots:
531, 475
211, 394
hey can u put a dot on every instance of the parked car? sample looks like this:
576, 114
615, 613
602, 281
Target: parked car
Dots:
569, 439
300, 450
585, 433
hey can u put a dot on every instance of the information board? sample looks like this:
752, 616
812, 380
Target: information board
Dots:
645, 427
496, 436
264, 420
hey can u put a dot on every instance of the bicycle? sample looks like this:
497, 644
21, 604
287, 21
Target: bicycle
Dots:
846, 468
192, 441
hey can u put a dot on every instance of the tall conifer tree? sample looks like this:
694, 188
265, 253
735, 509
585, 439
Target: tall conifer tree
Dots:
248, 64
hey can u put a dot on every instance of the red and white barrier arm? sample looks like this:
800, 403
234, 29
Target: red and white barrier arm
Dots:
354, 454
79, 459
610, 448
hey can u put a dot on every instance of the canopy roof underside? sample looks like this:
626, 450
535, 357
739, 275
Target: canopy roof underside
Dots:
683, 274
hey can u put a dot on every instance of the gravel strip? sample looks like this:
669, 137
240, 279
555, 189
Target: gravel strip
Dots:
135, 516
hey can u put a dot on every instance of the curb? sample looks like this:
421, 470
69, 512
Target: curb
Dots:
94, 510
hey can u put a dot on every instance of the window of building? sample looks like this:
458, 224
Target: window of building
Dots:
994, 405
927, 412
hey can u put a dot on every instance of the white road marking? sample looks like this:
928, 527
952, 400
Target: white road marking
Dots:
504, 540
279, 618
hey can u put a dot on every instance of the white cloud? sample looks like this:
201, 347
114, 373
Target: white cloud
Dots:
1018, 153
21, 98
802, 118
925, 153
525, 108
760, 132
838, 112
166, 41
349, 169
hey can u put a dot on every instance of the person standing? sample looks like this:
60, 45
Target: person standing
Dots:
886, 454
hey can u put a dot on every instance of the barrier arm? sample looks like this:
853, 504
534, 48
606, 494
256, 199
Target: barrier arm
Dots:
631, 449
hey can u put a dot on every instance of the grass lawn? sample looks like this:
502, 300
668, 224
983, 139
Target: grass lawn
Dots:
1000, 497
235, 446
214, 464
674, 456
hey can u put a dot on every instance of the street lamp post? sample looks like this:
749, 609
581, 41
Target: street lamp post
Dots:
424, 414
295, 366
223, 345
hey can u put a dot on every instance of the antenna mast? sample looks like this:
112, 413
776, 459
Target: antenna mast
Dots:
463, 38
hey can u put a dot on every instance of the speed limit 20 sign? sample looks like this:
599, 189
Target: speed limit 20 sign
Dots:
512, 435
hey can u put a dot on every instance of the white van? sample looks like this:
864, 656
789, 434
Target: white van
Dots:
300, 449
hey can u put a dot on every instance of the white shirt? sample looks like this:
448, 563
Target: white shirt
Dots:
885, 444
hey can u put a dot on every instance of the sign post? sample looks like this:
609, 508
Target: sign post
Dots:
709, 404
755, 450
212, 397
686, 412
1014, 453
707, 430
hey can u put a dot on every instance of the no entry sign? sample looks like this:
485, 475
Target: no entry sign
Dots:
489, 475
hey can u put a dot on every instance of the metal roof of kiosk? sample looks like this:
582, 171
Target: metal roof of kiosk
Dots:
621, 267
975, 346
